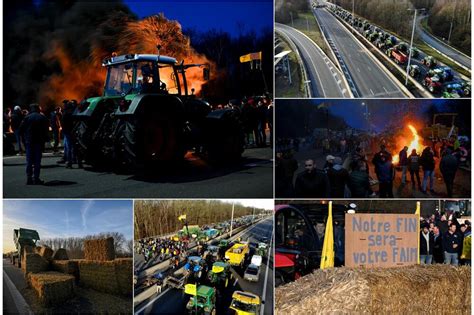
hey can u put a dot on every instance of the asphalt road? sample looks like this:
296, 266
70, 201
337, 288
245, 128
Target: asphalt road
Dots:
251, 177
370, 80
326, 79
174, 301
439, 45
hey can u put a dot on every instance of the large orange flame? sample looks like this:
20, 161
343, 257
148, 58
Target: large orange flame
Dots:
414, 144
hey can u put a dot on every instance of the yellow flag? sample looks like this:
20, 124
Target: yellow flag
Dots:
327, 255
418, 206
250, 57
182, 217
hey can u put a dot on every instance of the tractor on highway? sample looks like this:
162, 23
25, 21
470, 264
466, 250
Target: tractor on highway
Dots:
444, 74
429, 61
245, 303
202, 300
210, 233
149, 115
212, 253
396, 54
262, 249
432, 83
414, 71
23, 238
195, 269
220, 274
238, 254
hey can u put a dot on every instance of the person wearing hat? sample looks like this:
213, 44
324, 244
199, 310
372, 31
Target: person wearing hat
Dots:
329, 163
34, 130
427, 245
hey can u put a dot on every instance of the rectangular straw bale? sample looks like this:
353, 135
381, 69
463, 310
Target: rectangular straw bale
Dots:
60, 254
70, 267
32, 262
408, 290
52, 287
114, 277
99, 249
45, 252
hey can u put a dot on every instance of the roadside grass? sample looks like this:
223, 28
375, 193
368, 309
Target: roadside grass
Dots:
282, 86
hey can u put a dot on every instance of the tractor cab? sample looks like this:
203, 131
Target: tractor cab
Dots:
195, 267
245, 303
146, 73
202, 300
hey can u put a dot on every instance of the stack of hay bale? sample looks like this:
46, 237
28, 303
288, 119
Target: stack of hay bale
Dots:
102, 272
50, 287
407, 290
62, 264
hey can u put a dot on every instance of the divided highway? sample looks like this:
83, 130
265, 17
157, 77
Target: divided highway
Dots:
449, 51
173, 301
367, 75
326, 79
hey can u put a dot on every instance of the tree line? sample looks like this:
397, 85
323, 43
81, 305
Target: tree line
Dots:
285, 9
75, 245
159, 217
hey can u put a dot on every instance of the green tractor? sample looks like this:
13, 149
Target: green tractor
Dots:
262, 249
148, 114
414, 71
220, 274
429, 61
202, 300
22, 239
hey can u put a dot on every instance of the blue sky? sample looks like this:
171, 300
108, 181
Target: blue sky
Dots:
205, 15
65, 218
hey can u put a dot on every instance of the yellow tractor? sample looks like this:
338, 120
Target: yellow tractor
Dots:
245, 303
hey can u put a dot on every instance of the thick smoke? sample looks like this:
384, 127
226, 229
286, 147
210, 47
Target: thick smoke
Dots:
54, 51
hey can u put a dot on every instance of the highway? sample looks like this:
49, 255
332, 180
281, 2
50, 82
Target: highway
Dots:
360, 67
442, 47
173, 301
325, 78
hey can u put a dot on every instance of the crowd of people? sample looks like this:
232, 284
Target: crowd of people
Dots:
161, 249
444, 240
346, 170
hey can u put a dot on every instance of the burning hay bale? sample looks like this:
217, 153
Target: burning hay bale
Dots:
411, 289
60, 254
114, 277
33, 263
45, 252
52, 287
70, 267
100, 249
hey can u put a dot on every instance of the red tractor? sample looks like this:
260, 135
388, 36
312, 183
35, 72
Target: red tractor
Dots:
297, 245
399, 56
432, 83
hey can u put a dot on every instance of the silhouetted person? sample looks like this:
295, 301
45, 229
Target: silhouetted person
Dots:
311, 183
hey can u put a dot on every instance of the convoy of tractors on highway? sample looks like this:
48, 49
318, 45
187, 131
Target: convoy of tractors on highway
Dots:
437, 78
204, 272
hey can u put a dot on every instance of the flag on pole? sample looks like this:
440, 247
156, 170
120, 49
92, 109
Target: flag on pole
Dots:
418, 206
327, 255
182, 217
251, 56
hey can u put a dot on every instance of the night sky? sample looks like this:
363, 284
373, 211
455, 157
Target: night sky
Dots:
206, 15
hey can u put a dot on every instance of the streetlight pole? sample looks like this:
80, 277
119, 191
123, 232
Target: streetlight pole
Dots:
291, 14
411, 45
353, 5
232, 219
452, 22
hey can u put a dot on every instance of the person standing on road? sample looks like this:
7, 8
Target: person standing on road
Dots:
426, 245
359, 183
55, 122
438, 253
448, 167
385, 174
17, 118
403, 162
451, 242
338, 179
428, 164
311, 183
34, 130
414, 168
68, 124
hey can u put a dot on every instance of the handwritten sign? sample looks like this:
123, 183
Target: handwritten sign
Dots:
381, 240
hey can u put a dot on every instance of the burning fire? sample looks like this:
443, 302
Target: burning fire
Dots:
84, 78
414, 144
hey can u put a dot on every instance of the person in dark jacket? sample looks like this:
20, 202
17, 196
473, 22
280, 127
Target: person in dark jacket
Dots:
428, 164
438, 252
451, 242
426, 245
414, 168
448, 167
17, 118
311, 183
403, 162
68, 124
385, 173
338, 179
34, 130
285, 168
359, 183
55, 123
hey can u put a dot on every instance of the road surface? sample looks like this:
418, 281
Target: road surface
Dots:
252, 177
326, 79
369, 78
443, 47
174, 301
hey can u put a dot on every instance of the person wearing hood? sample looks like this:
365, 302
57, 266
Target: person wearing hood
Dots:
448, 167
338, 178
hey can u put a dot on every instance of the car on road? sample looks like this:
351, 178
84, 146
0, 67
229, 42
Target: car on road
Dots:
252, 273
256, 260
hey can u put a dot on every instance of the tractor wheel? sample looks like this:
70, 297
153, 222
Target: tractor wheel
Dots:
81, 135
228, 142
125, 152
431, 88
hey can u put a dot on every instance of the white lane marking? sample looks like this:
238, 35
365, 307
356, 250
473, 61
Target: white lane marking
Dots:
152, 301
371, 91
18, 299
235, 282
266, 275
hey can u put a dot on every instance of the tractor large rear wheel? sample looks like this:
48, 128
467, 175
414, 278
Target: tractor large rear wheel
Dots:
227, 142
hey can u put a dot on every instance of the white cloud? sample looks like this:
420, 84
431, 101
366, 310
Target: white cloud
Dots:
84, 210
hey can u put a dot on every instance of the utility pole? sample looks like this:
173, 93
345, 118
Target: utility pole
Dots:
452, 21
232, 219
411, 45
